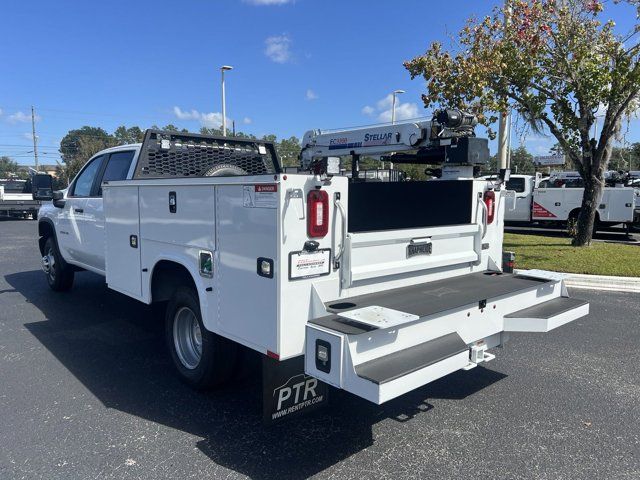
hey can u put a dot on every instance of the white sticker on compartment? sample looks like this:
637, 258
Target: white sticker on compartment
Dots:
380, 317
260, 196
309, 264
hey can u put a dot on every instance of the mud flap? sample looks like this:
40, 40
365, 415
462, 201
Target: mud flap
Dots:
287, 392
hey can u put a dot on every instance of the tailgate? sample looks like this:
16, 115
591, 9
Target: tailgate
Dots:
378, 254
406, 227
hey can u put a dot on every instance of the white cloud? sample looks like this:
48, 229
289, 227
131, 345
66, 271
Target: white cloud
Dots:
209, 120
368, 110
277, 48
247, 120
383, 108
21, 117
311, 95
268, 2
28, 136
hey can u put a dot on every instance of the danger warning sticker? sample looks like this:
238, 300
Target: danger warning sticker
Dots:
541, 212
260, 196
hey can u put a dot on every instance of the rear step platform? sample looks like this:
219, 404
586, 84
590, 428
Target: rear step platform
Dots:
546, 316
381, 345
395, 365
427, 299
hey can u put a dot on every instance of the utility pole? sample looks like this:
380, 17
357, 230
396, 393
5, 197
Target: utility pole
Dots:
504, 122
35, 139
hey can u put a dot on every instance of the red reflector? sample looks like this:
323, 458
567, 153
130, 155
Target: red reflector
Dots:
490, 202
317, 213
271, 354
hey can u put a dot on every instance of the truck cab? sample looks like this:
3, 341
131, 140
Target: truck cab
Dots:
523, 186
78, 217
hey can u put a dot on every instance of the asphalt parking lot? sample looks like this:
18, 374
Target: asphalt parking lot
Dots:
86, 391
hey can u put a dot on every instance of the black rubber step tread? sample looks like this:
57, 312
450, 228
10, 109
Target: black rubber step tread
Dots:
548, 309
395, 365
438, 296
342, 325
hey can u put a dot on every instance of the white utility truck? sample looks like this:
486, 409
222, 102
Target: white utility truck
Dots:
376, 288
16, 198
558, 200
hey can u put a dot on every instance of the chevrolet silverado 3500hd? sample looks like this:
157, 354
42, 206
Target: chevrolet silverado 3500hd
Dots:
380, 287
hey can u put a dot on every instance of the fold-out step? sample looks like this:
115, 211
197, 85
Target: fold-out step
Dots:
425, 299
398, 364
546, 316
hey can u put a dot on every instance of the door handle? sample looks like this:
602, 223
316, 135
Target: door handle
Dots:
78, 210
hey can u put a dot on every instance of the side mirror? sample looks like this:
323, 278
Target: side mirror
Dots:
58, 199
42, 187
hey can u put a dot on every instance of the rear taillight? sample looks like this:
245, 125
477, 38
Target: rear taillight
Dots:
317, 213
490, 202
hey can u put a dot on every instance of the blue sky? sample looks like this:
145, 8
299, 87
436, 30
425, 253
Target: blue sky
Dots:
297, 64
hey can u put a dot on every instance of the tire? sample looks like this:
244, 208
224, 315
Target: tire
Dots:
225, 170
202, 359
59, 274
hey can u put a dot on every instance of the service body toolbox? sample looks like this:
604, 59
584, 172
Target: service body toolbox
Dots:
375, 288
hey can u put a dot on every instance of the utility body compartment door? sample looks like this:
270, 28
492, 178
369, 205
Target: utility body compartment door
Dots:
123, 247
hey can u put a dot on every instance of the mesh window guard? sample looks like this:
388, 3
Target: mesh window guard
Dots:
177, 155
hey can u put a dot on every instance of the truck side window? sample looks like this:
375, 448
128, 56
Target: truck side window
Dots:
117, 167
516, 184
84, 182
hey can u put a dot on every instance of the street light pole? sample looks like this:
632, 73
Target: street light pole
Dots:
224, 106
393, 105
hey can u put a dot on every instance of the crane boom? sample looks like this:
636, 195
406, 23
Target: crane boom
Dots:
446, 139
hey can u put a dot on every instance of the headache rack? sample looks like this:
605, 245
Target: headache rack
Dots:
167, 154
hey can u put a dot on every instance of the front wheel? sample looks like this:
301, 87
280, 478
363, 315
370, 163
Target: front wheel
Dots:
203, 359
59, 274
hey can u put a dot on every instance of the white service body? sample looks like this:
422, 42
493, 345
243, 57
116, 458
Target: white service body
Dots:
533, 203
129, 230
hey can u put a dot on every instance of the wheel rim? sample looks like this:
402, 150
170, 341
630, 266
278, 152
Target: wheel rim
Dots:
187, 337
49, 264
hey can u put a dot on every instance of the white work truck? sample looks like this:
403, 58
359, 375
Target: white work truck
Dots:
376, 288
558, 200
16, 198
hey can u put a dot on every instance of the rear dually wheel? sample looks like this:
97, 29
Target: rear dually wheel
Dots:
202, 359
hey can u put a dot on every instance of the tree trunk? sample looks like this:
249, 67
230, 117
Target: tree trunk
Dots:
593, 189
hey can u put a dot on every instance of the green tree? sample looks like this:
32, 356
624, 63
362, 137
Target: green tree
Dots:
522, 161
125, 136
289, 151
556, 64
211, 131
79, 145
7, 167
